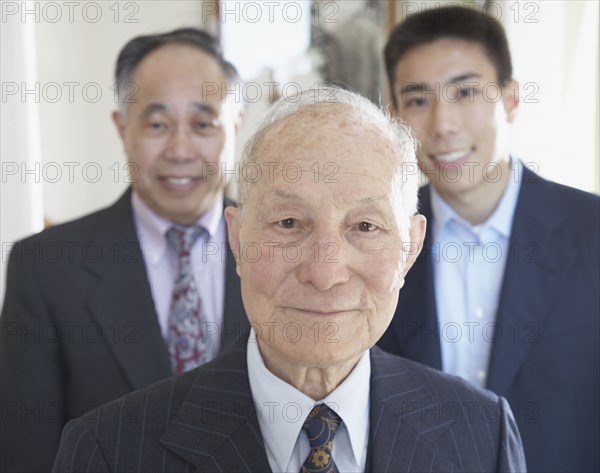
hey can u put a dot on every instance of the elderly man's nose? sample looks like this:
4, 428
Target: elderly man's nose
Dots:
324, 265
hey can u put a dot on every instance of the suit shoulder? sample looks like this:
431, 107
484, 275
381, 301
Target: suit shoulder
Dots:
471, 428
136, 420
574, 214
159, 402
81, 227
163, 398
572, 195
576, 200
154, 405
91, 238
442, 386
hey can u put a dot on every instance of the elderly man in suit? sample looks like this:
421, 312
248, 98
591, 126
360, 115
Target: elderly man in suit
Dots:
124, 297
505, 291
324, 236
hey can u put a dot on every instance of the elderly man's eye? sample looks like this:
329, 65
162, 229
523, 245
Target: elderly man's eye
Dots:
367, 227
287, 223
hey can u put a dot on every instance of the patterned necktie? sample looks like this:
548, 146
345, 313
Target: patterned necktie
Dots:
320, 426
187, 346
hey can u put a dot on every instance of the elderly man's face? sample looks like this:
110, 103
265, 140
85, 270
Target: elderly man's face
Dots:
178, 131
318, 242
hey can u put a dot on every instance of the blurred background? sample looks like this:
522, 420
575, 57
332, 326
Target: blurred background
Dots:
60, 154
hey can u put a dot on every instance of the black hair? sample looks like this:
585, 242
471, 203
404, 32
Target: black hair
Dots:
452, 22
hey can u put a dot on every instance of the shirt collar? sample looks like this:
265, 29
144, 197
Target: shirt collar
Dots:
151, 228
211, 219
350, 400
500, 220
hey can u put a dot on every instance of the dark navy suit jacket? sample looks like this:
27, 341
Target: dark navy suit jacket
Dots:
206, 420
79, 329
545, 359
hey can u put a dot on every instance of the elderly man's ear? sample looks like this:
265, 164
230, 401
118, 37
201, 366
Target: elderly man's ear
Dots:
232, 217
418, 227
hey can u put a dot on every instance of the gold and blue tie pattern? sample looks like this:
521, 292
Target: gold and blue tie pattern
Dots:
320, 426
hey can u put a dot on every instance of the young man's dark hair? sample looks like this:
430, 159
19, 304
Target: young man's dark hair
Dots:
451, 22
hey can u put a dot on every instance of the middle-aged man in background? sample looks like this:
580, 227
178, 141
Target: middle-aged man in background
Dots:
154, 290
323, 238
505, 292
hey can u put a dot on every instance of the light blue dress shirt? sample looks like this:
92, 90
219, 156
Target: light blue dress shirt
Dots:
468, 269
282, 410
208, 257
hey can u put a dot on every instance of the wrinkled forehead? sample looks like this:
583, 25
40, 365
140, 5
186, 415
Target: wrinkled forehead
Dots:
324, 152
325, 132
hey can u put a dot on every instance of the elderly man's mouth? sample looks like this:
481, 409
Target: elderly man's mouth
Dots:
321, 312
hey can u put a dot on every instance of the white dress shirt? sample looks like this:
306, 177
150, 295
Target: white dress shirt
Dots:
282, 410
208, 257
468, 269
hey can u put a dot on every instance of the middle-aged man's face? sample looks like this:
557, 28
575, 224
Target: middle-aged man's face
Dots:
460, 128
178, 131
318, 241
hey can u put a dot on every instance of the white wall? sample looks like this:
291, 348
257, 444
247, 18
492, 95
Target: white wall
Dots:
21, 211
80, 130
555, 58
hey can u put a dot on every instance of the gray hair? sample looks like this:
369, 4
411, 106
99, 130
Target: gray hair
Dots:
367, 114
141, 46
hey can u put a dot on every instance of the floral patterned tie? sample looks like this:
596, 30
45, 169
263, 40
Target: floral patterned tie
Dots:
320, 426
187, 345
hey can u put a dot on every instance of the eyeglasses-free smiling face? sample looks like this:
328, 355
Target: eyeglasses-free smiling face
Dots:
324, 285
447, 92
177, 128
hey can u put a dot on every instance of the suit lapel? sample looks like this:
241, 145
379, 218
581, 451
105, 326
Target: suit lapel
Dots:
216, 427
122, 303
538, 266
402, 436
235, 321
234, 316
417, 325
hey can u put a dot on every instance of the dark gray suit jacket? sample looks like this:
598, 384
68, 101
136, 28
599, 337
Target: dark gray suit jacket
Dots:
205, 420
79, 329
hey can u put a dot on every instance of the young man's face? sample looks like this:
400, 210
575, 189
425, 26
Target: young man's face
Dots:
447, 91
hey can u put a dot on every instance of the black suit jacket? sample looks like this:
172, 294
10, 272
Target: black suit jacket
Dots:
546, 357
79, 329
205, 420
